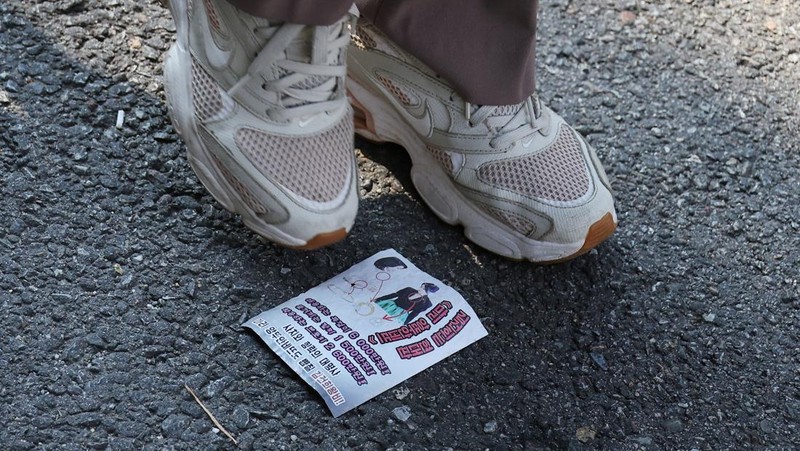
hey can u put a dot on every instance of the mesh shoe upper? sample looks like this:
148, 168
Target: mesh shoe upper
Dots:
314, 167
557, 172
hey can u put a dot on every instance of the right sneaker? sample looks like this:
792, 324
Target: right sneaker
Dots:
263, 111
522, 182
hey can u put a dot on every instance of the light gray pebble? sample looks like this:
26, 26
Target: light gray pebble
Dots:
402, 413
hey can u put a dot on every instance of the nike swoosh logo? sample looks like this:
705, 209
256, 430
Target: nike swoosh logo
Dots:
421, 122
419, 116
306, 121
527, 143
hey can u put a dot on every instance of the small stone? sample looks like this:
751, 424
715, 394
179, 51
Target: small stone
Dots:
401, 393
190, 289
164, 408
285, 270
96, 340
765, 426
36, 88
174, 425
643, 440
585, 434
192, 409
771, 25
490, 427
11, 86
16, 344
196, 380
241, 417
80, 79
599, 360
709, 317
17, 227
164, 137
402, 413
218, 386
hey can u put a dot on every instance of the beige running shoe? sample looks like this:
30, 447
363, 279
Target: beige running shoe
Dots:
262, 109
522, 182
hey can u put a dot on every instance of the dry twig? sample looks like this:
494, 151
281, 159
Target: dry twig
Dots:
210, 415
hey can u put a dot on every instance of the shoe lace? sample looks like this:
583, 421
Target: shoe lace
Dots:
304, 82
522, 121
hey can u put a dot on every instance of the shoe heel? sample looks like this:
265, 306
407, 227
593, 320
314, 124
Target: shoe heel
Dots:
363, 123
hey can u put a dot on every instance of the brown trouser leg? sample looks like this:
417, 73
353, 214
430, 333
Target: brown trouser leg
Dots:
485, 48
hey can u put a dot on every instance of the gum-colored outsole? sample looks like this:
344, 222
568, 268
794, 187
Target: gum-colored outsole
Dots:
322, 240
598, 232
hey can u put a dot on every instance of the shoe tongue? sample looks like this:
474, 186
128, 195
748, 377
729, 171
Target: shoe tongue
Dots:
311, 81
503, 115
300, 49
506, 110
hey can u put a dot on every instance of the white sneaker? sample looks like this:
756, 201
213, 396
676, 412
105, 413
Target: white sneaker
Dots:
263, 111
523, 183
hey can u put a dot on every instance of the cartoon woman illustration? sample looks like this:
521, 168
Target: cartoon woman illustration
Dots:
404, 305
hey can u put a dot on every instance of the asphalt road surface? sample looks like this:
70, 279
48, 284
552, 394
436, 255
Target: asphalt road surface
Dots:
121, 280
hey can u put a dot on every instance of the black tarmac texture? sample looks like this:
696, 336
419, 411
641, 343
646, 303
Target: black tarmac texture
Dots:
121, 279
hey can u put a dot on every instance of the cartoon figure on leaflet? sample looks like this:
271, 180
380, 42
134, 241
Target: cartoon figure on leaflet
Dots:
404, 305
386, 266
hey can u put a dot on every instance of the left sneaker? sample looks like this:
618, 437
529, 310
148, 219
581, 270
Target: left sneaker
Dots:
262, 108
523, 183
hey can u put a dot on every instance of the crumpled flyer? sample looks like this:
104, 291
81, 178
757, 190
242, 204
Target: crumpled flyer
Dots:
368, 329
